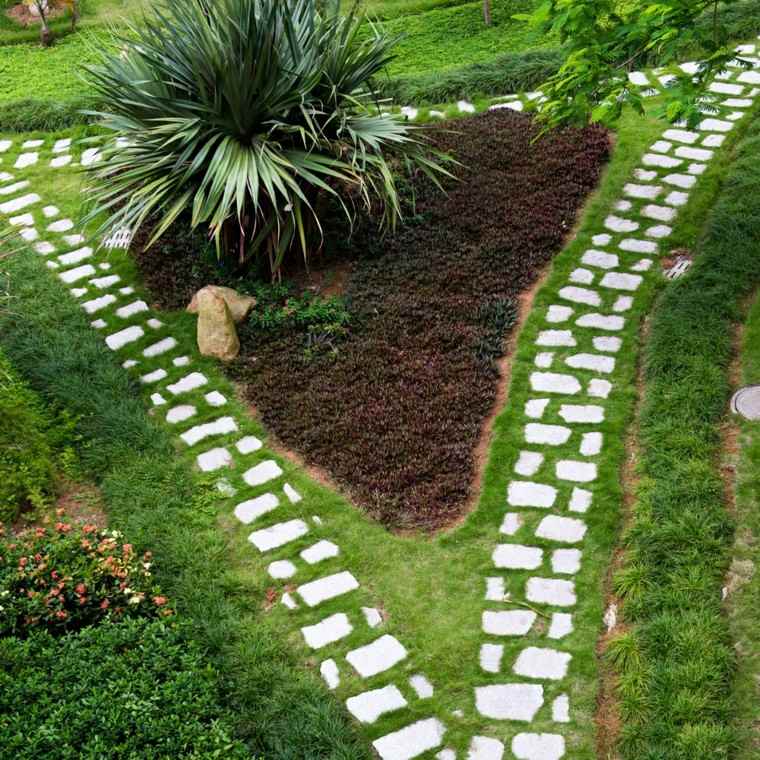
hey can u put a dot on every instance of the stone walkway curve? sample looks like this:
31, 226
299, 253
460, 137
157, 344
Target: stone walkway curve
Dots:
540, 544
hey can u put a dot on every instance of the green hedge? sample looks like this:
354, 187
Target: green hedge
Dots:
137, 689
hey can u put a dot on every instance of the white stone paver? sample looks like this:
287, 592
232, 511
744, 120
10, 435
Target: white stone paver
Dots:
538, 746
377, 657
196, 434
320, 551
262, 473
370, 705
214, 459
517, 557
327, 631
180, 413
490, 657
568, 530
485, 748
188, 383
508, 622
542, 663
514, 701
411, 741
528, 494
329, 587
279, 534
421, 686
329, 671
553, 591
252, 509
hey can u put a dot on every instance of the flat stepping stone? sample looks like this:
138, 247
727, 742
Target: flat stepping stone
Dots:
512, 701
495, 590
118, 340
90, 156
738, 102
677, 198
576, 413
14, 188
96, 304
580, 501
60, 161
180, 413
62, 225
278, 535
552, 591
511, 523
749, 77
26, 159
411, 741
715, 125
724, 88
252, 509
372, 616
644, 192
551, 435
181, 361
566, 561
639, 78
538, 746
248, 444
221, 426
601, 322
508, 622
130, 310
536, 407
582, 276
529, 463
559, 313
281, 569
188, 383
329, 587
580, 295
556, 338
713, 141
551, 382
591, 444
632, 245
370, 705
681, 136
523, 493
598, 388
620, 225
74, 257
561, 625
591, 362
600, 259
214, 398
517, 557
421, 686
293, 496
377, 657
485, 748
5, 145
490, 657
659, 231
543, 663
661, 146
156, 349
214, 459
320, 551
576, 472
621, 281
262, 473
12, 206
568, 530
102, 283
661, 161
330, 673
23, 220
153, 377
643, 175
327, 631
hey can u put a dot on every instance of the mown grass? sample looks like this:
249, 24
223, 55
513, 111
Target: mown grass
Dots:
153, 496
744, 577
677, 662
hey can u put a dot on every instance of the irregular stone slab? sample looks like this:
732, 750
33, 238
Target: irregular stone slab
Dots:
511, 524
214, 459
529, 463
561, 625
724, 88
681, 136
490, 657
90, 156
157, 399
5, 145
329, 671
154, 324
62, 225
582, 276
621, 281
485, 748
749, 77
617, 224
26, 159
153, 377
281, 569
327, 631
542, 662
181, 361
288, 601
659, 231
677, 199
508, 622
684, 181
377, 657
535, 408
523, 493
714, 141
44, 248
592, 362
102, 283
623, 303
278, 535
538, 746
559, 313
605, 343
252, 509
591, 444
553, 591
599, 388
657, 159
511, 701
329, 587
14, 188
411, 741
561, 709
604, 238
601, 322
568, 530
370, 705
566, 561
661, 146
556, 338
62, 145
644, 175
221, 426
96, 304
644, 192
215, 399
575, 472
293, 496
660, 213
517, 557
600, 259
262, 473
580, 295
551, 435
320, 551
495, 590
188, 383
248, 444
372, 616
580, 500
180, 413
136, 307
589, 413
156, 349
638, 78
122, 338
638, 246
544, 360
551, 382
421, 686
60, 161
16, 204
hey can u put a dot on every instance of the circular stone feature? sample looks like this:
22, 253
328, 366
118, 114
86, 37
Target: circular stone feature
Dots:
746, 402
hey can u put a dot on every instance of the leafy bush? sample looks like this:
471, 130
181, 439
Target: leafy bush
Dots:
241, 113
136, 689
30, 443
71, 576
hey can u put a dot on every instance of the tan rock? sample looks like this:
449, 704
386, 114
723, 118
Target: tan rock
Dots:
216, 329
239, 306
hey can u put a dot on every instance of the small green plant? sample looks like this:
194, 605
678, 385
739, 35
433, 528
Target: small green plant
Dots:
67, 577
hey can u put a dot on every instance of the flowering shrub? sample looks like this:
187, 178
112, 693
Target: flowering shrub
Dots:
69, 576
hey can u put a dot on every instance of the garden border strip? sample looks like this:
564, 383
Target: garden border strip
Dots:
559, 364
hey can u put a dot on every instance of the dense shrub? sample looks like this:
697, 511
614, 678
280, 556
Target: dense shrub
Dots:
136, 689
28, 442
32, 115
63, 578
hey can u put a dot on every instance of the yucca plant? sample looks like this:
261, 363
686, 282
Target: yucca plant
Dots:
238, 114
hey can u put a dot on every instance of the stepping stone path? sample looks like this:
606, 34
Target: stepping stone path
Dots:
529, 594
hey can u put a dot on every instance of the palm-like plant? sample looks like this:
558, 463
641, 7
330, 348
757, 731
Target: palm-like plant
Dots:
239, 114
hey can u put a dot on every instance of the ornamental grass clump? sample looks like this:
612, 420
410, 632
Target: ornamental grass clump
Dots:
238, 115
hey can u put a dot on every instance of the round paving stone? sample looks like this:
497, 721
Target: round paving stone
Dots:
746, 402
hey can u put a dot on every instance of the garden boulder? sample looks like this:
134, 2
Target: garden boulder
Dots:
239, 306
216, 328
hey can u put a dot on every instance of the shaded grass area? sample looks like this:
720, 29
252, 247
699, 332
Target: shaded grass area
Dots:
744, 578
431, 307
152, 495
677, 662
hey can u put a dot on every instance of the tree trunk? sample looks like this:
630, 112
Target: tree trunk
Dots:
487, 12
